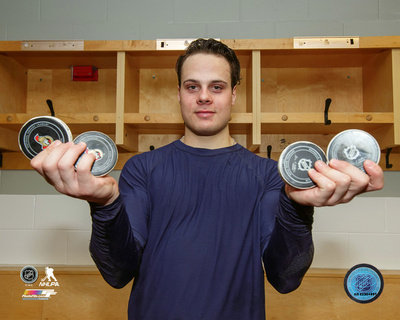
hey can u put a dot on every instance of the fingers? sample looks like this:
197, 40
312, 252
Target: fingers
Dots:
37, 161
359, 180
57, 165
66, 167
46, 162
83, 169
376, 176
333, 185
340, 182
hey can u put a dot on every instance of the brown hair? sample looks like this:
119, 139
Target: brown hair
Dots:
211, 46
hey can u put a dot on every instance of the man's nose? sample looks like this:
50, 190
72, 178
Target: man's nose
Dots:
204, 96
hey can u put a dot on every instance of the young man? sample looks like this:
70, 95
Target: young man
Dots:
195, 221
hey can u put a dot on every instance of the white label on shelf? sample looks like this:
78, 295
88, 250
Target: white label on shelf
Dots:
173, 44
325, 42
56, 45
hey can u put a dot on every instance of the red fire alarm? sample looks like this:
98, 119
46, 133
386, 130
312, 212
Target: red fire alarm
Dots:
84, 73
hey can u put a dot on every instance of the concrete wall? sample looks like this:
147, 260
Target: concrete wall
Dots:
152, 19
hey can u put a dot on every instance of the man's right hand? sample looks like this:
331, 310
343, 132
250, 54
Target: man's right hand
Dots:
56, 164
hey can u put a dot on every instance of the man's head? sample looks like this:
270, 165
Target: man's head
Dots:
206, 95
211, 46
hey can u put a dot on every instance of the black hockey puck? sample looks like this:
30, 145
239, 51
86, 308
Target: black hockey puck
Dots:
296, 160
39, 132
354, 146
104, 149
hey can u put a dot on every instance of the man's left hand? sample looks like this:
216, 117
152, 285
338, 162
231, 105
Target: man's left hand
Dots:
338, 182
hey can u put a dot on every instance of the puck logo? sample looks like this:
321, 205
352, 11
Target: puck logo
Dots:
104, 149
44, 141
296, 160
304, 164
29, 274
351, 152
363, 283
39, 132
354, 146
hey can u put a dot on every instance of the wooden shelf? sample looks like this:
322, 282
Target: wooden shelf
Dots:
280, 100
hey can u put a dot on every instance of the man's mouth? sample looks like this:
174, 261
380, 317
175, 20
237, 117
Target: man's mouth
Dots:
205, 113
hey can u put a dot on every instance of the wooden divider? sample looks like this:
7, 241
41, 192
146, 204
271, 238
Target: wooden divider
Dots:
82, 294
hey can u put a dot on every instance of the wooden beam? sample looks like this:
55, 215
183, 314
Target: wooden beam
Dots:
254, 139
120, 99
396, 93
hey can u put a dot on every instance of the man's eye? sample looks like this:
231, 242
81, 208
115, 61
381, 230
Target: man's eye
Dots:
217, 88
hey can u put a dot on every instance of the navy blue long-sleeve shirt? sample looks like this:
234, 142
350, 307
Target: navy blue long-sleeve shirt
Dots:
194, 227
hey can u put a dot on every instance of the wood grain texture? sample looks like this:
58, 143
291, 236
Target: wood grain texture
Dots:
83, 294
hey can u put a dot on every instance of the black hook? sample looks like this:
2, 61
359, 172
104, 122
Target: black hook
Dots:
388, 165
50, 104
327, 104
151, 148
269, 148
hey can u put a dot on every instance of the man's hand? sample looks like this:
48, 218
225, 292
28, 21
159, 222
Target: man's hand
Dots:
56, 164
338, 183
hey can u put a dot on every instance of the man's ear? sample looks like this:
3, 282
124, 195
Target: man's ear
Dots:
179, 93
234, 95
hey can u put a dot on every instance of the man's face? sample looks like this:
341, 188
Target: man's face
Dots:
205, 94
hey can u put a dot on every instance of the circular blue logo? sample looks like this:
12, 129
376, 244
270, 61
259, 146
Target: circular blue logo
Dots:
363, 283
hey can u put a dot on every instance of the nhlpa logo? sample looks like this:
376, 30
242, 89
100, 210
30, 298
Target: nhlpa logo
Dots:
44, 141
49, 280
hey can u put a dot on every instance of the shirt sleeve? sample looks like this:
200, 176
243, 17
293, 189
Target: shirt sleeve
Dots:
119, 230
289, 250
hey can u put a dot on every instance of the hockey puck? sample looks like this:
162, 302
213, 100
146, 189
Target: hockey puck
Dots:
354, 146
363, 283
39, 132
103, 148
296, 160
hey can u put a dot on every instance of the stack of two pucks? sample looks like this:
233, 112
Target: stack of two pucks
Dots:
354, 146
39, 132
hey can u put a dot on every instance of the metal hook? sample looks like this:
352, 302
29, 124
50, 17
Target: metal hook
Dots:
327, 104
388, 165
269, 149
50, 104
